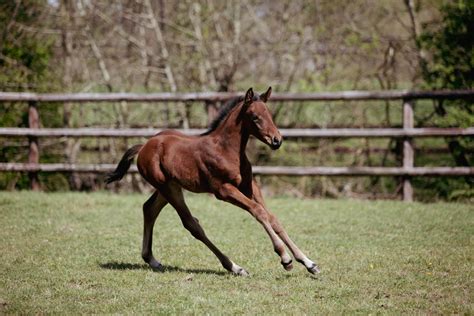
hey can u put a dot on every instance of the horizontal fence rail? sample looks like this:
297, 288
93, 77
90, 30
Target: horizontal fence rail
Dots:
260, 170
223, 96
285, 132
407, 133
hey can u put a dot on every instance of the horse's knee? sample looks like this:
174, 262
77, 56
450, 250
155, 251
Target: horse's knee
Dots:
260, 214
275, 223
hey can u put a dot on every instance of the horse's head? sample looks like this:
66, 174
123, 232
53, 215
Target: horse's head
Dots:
258, 119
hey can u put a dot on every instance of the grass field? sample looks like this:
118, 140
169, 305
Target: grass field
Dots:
80, 253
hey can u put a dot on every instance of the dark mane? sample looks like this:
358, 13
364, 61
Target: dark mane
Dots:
225, 110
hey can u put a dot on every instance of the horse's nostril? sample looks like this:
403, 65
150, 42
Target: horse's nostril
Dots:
276, 143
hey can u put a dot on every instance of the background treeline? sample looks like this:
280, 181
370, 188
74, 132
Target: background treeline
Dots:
213, 45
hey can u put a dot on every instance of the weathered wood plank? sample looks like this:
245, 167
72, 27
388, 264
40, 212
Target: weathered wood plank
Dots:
408, 152
262, 170
89, 132
363, 171
33, 153
373, 95
222, 96
287, 133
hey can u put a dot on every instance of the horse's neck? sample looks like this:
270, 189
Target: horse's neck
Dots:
231, 134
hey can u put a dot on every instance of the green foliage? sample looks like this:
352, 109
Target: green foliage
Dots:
25, 58
54, 182
31, 54
445, 188
462, 195
451, 48
78, 253
25, 64
450, 65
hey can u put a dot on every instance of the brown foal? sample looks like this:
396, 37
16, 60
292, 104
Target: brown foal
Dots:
214, 162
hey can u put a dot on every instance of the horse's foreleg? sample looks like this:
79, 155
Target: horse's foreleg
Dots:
280, 231
151, 210
174, 195
232, 195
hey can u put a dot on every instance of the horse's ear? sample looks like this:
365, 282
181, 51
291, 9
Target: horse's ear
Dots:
264, 97
248, 96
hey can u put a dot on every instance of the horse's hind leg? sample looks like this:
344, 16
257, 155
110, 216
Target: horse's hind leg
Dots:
174, 195
151, 210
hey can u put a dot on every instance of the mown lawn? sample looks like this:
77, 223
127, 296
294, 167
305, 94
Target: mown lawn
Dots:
80, 253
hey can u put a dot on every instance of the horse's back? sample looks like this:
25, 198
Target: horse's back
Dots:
172, 132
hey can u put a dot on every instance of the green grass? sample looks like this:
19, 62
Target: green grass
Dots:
80, 253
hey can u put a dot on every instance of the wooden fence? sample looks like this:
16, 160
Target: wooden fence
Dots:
407, 133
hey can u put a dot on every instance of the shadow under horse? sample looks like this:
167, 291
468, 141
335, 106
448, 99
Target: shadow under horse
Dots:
213, 162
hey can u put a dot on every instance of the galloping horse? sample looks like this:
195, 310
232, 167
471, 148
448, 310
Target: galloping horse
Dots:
213, 162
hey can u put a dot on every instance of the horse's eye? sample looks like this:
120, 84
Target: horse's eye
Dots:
255, 118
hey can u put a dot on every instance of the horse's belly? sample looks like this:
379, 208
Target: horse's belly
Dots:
188, 177
185, 171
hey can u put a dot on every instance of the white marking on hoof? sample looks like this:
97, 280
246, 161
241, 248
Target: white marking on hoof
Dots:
310, 265
313, 269
239, 270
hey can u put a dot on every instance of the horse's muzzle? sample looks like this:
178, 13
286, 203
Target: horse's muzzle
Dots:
276, 143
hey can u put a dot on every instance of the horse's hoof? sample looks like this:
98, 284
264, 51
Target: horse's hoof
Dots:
157, 268
242, 272
313, 269
287, 265
155, 265
238, 270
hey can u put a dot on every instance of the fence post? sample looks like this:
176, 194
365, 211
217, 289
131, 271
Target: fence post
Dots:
408, 152
33, 154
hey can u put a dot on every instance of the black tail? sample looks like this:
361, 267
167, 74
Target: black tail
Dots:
123, 165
